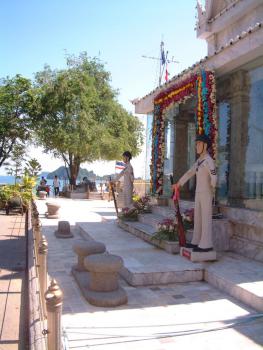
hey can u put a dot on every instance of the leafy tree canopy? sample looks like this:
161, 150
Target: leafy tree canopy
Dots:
33, 167
15, 100
78, 117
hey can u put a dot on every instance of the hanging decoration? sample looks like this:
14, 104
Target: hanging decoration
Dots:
201, 85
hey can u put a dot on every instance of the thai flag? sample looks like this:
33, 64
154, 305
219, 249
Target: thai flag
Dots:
119, 165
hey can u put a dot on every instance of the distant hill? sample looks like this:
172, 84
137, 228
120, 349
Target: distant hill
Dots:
43, 173
62, 173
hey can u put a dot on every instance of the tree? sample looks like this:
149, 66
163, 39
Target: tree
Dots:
32, 168
15, 99
78, 117
15, 168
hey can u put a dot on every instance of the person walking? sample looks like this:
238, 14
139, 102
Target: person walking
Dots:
56, 186
128, 177
204, 169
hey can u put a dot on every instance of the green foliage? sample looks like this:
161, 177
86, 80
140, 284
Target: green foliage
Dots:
129, 214
32, 168
15, 101
142, 204
23, 190
17, 157
167, 230
77, 116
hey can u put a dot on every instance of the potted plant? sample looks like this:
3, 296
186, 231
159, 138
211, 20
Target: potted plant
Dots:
17, 196
142, 204
129, 214
167, 230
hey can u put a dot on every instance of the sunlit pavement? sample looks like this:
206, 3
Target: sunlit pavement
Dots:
13, 306
174, 316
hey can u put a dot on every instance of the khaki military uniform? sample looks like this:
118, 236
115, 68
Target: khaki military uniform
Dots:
206, 179
128, 178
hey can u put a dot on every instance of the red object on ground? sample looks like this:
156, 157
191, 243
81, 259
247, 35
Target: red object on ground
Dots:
186, 254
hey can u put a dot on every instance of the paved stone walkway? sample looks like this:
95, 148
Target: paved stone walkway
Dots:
159, 317
13, 291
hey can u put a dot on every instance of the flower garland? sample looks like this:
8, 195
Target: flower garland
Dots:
202, 85
206, 108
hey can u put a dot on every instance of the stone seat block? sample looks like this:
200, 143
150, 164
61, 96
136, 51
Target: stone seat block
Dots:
103, 263
103, 270
52, 210
86, 248
63, 230
42, 194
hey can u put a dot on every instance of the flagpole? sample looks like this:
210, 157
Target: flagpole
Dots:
161, 62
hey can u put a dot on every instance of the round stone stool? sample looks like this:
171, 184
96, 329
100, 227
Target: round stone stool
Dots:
42, 194
86, 248
63, 230
103, 270
103, 286
52, 211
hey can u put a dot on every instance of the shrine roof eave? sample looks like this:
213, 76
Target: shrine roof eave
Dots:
237, 52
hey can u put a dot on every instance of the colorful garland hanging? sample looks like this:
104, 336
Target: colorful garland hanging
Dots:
202, 85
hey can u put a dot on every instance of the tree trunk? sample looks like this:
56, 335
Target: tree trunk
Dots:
74, 166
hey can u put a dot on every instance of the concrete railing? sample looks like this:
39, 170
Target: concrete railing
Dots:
45, 299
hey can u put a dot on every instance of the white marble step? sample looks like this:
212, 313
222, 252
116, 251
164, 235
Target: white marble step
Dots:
95, 195
238, 276
144, 264
151, 219
146, 232
164, 211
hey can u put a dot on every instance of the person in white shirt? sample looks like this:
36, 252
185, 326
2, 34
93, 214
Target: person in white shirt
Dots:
204, 169
56, 186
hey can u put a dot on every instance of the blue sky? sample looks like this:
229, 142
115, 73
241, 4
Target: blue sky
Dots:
36, 32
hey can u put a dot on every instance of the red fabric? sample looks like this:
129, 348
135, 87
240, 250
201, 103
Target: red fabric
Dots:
166, 75
176, 195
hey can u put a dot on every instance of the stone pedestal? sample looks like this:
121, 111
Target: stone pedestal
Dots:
197, 256
63, 230
84, 249
104, 270
42, 194
52, 211
100, 285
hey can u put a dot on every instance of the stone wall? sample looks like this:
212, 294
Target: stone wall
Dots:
247, 231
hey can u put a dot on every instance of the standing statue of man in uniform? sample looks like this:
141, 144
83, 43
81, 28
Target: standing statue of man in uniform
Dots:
128, 176
204, 169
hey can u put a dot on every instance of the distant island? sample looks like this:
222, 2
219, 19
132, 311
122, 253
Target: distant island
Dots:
62, 174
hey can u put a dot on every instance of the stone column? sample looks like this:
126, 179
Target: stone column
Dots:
54, 301
42, 261
181, 151
239, 135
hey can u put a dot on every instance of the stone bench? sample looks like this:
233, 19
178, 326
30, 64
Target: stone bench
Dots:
86, 248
